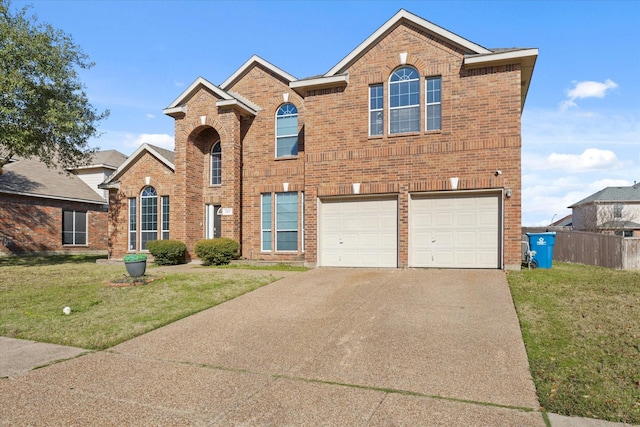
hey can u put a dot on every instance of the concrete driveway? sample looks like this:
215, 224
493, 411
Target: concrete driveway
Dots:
325, 347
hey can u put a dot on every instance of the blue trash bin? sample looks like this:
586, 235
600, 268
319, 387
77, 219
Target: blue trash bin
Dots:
543, 244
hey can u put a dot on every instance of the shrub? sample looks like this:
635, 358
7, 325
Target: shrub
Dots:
167, 252
217, 251
134, 257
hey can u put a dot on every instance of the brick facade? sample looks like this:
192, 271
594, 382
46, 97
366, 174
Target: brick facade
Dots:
34, 225
480, 133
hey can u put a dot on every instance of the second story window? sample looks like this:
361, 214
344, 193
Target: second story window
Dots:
404, 101
287, 131
216, 164
376, 112
434, 103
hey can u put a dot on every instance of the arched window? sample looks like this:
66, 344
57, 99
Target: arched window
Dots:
216, 164
287, 131
148, 216
404, 100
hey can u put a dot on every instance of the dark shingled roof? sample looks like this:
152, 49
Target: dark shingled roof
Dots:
31, 177
612, 195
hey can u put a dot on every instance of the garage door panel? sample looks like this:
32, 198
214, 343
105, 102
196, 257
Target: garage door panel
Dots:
454, 231
359, 233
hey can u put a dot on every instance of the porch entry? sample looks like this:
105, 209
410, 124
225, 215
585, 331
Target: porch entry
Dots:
213, 224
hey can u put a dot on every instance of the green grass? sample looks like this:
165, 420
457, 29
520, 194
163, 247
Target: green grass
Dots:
34, 291
581, 328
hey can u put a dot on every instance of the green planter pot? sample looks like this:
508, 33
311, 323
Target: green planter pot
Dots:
136, 268
136, 264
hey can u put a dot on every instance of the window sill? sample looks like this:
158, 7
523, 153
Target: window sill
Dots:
75, 246
286, 158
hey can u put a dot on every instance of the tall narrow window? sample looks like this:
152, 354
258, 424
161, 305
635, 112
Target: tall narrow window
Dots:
266, 222
404, 101
376, 113
287, 222
165, 217
287, 131
216, 164
434, 103
74, 228
148, 216
133, 226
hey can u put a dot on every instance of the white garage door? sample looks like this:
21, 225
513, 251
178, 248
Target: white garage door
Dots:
359, 233
456, 231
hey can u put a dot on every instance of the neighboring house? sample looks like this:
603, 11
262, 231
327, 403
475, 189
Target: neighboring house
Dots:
405, 153
46, 210
613, 210
566, 222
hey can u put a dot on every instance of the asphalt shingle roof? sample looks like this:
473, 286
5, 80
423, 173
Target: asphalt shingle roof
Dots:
32, 178
613, 194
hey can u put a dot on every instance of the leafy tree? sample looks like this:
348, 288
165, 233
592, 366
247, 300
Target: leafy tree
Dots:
44, 110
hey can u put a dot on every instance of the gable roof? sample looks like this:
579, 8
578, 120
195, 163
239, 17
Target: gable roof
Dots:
179, 108
252, 62
30, 177
475, 56
106, 159
612, 195
167, 157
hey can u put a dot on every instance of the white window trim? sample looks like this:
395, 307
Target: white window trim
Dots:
372, 110
275, 151
162, 229
419, 80
274, 236
158, 217
135, 230
270, 229
427, 104
211, 163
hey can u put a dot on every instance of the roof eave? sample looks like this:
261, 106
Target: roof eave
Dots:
301, 86
50, 197
242, 108
525, 57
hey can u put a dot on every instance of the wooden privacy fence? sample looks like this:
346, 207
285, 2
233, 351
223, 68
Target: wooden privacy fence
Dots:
604, 250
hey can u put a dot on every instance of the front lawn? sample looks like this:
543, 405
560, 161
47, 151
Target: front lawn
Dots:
34, 291
581, 328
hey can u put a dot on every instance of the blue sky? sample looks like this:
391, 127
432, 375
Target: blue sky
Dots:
581, 122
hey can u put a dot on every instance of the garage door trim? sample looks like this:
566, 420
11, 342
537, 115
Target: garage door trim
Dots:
498, 193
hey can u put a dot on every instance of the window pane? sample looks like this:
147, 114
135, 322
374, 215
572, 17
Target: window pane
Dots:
434, 117
287, 146
165, 217
132, 224
287, 240
405, 120
287, 131
81, 222
266, 222
376, 123
216, 164
287, 221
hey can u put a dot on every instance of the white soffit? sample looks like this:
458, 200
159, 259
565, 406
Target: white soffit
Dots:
440, 32
320, 82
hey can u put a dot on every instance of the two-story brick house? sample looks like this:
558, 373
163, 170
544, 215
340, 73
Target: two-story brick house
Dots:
406, 153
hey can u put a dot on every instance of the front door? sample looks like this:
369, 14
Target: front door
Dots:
213, 229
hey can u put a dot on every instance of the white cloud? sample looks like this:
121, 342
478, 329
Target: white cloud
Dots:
591, 159
586, 89
151, 116
158, 139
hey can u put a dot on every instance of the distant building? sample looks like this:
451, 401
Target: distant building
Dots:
612, 210
46, 210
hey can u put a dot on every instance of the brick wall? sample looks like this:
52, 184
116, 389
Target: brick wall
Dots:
35, 225
132, 182
480, 134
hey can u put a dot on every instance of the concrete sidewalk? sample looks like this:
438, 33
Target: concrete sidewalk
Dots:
325, 347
